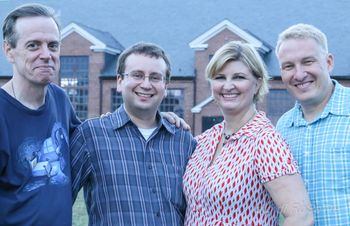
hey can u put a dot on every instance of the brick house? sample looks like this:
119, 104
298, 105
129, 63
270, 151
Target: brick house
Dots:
190, 33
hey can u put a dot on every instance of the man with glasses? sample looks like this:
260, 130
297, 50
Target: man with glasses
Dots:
131, 162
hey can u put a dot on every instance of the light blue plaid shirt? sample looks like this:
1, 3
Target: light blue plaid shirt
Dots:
322, 149
128, 180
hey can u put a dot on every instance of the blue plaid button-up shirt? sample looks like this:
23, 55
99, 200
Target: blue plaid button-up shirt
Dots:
322, 149
128, 180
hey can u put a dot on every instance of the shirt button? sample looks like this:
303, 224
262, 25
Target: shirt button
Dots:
150, 167
158, 214
154, 190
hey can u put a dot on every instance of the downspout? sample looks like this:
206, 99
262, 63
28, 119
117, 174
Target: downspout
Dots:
101, 94
194, 101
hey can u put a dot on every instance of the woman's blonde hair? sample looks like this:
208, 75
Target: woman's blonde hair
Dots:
246, 53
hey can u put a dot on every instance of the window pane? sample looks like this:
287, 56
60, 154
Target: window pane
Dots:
208, 122
75, 80
174, 102
278, 102
117, 99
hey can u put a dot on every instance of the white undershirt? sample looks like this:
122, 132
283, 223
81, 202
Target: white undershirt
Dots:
147, 132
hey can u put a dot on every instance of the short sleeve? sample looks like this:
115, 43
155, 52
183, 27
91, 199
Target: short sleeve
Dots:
273, 157
80, 160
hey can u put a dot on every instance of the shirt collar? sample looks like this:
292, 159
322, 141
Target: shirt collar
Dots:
251, 128
120, 118
335, 106
340, 96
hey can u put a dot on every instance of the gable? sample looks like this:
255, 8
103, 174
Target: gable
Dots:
98, 45
200, 43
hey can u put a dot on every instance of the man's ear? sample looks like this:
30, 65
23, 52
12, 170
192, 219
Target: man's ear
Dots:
8, 50
119, 83
330, 62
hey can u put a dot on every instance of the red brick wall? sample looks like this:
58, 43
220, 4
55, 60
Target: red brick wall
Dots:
76, 45
203, 88
187, 86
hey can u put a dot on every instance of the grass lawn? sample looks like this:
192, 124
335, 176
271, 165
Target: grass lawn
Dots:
80, 217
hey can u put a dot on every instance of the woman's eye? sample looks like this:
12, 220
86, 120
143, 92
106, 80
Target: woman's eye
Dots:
219, 77
238, 77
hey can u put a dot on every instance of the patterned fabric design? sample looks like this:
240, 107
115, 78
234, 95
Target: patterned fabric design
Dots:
322, 149
231, 190
128, 180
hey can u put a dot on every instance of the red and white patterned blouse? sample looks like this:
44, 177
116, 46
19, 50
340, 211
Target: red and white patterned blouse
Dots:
231, 191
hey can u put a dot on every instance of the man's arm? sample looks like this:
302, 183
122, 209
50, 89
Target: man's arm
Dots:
80, 162
175, 119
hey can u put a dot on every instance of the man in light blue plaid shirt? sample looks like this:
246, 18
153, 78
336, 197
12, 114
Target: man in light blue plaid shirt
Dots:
131, 162
318, 127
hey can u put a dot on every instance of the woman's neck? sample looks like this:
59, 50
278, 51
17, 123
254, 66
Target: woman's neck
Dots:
233, 123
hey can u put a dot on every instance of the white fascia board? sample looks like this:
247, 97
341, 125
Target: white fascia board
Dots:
73, 27
199, 43
97, 45
198, 108
105, 49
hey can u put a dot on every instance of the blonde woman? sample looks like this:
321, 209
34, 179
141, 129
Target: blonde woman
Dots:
242, 172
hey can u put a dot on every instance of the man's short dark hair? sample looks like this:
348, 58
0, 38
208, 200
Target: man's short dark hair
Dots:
27, 10
147, 49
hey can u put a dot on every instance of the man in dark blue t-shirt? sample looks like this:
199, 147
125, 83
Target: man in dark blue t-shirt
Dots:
36, 118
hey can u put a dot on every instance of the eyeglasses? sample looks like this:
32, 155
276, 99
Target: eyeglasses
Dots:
138, 76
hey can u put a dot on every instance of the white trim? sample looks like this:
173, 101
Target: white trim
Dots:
199, 42
198, 108
104, 49
97, 45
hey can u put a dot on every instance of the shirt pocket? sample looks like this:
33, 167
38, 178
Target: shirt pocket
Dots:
338, 170
171, 186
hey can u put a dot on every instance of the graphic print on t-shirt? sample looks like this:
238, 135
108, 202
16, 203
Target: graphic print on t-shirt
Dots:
45, 160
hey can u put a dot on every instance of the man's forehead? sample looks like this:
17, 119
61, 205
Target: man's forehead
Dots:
37, 28
36, 23
141, 60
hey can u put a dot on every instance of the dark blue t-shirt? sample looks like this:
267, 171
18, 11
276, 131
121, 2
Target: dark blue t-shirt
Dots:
35, 185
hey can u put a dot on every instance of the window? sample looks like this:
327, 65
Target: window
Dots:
75, 81
278, 102
174, 102
208, 122
116, 99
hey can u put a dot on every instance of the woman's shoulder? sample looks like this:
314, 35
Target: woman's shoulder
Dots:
211, 132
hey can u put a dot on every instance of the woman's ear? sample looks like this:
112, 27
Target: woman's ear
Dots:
258, 86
